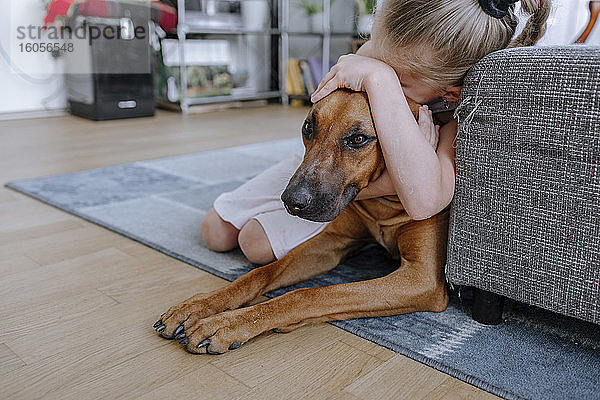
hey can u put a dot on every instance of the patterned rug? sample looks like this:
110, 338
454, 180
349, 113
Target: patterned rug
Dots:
534, 354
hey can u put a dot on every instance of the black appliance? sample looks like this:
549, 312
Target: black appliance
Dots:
109, 73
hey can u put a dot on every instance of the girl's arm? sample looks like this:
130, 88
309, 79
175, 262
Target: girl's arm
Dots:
383, 186
423, 179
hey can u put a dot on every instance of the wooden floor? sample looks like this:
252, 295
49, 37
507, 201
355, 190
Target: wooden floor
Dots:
77, 301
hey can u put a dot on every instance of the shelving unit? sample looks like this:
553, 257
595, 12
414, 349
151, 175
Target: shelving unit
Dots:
279, 50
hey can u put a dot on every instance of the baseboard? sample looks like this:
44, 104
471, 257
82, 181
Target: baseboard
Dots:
59, 112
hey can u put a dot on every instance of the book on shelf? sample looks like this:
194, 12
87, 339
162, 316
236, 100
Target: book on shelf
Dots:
295, 85
307, 77
304, 76
316, 68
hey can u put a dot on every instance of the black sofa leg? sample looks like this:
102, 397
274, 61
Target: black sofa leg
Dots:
487, 307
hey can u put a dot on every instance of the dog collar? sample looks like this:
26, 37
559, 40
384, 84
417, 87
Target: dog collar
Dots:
441, 105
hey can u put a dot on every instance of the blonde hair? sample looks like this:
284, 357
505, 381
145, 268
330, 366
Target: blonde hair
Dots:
439, 40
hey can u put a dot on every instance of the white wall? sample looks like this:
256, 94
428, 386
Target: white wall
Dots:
567, 21
31, 93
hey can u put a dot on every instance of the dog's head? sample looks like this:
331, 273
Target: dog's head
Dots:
342, 155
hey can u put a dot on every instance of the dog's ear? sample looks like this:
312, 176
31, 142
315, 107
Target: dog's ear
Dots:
414, 107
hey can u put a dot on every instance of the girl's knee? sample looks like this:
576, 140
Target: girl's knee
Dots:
218, 234
255, 244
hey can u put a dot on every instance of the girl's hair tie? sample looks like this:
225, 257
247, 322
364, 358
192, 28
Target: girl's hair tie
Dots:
496, 8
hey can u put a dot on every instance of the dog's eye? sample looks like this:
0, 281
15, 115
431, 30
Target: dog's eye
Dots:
307, 129
357, 140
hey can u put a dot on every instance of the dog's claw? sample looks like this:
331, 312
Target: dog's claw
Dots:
180, 336
157, 324
178, 330
160, 328
235, 345
184, 341
204, 343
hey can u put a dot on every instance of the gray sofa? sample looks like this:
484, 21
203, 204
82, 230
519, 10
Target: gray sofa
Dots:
525, 220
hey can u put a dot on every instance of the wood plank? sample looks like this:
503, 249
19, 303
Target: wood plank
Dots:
7, 195
85, 270
416, 381
317, 375
152, 277
69, 358
206, 382
52, 311
173, 366
268, 355
28, 213
20, 235
453, 389
343, 395
15, 263
9, 361
88, 241
366, 346
62, 292
86, 284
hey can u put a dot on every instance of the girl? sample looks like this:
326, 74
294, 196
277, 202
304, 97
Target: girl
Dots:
421, 49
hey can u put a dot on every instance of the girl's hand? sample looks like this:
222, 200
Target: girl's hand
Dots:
381, 186
430, 130
351, 72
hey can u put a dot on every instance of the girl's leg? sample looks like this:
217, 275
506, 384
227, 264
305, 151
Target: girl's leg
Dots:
218, 234
255, 244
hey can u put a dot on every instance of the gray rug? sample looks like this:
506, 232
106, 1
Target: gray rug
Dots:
534, 354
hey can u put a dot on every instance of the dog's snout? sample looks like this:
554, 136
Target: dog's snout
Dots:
297, 200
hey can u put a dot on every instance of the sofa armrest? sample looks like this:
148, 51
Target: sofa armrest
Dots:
525, 220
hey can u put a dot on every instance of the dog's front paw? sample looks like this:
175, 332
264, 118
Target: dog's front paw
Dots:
222, 332
172, 324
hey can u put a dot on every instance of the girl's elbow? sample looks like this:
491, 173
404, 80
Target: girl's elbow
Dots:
418, 216
421, 212
426, 209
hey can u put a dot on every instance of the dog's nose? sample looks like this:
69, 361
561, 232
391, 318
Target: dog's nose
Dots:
296, 201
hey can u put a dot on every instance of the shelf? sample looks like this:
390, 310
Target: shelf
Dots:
299, 97
196, 25
236, 97
209, 31
298, 33
240, 31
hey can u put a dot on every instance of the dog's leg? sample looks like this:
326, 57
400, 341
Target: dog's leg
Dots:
418, 285
312, 258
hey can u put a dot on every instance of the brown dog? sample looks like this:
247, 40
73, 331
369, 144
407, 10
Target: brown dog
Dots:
342, 156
